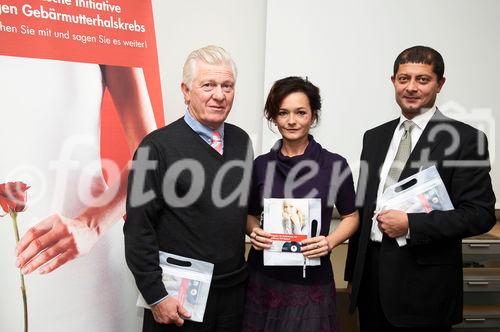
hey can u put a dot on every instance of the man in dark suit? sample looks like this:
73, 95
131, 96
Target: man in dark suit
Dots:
418, 286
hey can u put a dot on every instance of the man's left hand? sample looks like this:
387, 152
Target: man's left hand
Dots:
393, 223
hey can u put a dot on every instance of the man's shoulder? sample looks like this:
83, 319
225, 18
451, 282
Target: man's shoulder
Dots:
459, 125
389, 125
442, 124
235, 131
169, 131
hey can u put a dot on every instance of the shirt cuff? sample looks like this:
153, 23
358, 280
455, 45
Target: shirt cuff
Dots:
163, 298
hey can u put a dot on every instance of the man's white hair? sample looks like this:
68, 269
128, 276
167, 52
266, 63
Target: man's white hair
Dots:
212, 55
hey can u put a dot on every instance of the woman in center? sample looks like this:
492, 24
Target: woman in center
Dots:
280, 298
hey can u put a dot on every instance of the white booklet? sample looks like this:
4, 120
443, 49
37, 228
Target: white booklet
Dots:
421, 192
290, 221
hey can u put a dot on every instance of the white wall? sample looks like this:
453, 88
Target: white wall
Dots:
347, 48
236, 25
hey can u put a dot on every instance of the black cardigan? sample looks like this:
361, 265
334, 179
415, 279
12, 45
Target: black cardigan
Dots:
202, 229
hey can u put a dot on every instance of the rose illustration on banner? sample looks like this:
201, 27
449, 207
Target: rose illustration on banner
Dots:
13, 200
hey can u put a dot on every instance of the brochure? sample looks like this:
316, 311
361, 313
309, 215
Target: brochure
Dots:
290, 221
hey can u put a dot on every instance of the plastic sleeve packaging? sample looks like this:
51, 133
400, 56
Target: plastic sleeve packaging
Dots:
186, 279
421, 192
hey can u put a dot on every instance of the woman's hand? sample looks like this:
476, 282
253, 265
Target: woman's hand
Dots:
260, 240
317, 246
53, 242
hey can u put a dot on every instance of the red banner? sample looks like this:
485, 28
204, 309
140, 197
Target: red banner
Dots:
80, 88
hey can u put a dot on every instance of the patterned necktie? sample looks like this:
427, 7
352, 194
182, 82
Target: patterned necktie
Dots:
216, 141
404, 151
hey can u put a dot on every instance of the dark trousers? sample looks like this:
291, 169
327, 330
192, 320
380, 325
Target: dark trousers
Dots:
371, 314
224, 313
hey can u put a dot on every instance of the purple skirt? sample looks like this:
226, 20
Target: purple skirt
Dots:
275, 306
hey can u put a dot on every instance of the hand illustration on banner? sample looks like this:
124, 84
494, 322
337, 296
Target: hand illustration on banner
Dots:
77, 98
13, 200
58, 239
53, 242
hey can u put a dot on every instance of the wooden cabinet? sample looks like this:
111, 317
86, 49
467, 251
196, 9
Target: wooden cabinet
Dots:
481, 258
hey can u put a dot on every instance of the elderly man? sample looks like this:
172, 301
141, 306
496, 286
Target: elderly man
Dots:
187, 196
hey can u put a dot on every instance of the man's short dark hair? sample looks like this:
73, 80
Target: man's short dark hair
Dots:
286, 86
421, 54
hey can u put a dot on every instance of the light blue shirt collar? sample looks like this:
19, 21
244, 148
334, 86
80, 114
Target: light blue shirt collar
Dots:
202, 130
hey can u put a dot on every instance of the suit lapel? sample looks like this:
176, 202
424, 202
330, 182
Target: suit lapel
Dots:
376, 159
382, 146
376, 151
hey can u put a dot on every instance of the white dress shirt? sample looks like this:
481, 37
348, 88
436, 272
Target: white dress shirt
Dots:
421, 122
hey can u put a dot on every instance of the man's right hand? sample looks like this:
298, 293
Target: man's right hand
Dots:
170, 311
